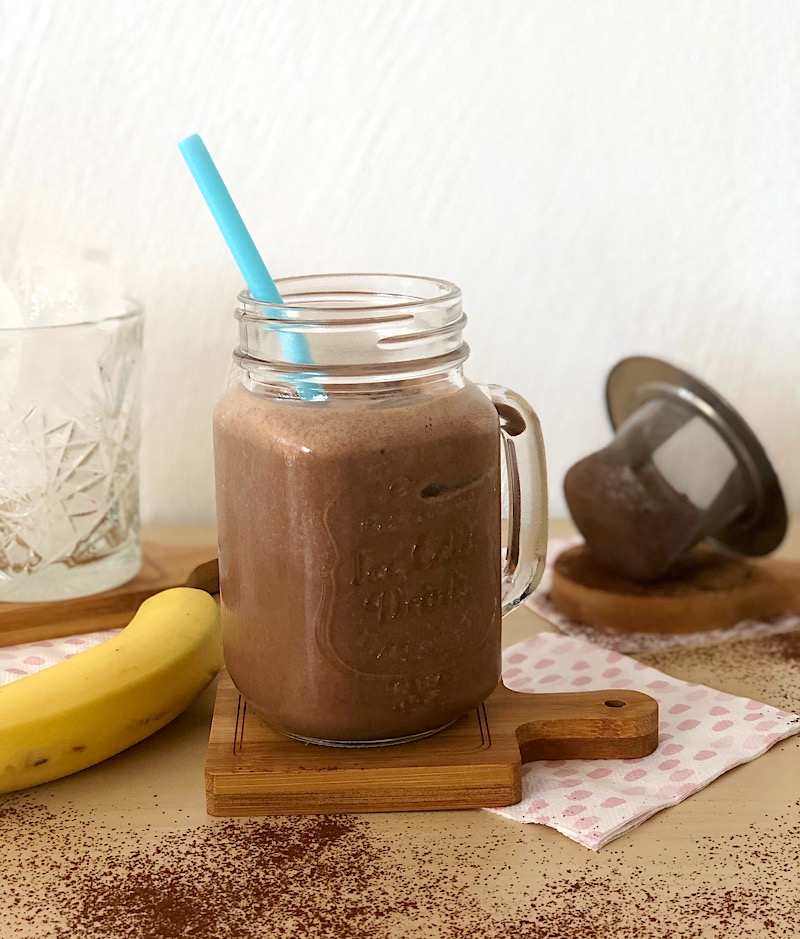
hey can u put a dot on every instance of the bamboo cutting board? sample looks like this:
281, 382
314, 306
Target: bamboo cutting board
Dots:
704, 590
254, 770
163, 566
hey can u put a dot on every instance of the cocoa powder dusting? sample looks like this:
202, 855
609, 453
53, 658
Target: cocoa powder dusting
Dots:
788, 646
340, 877
764, 668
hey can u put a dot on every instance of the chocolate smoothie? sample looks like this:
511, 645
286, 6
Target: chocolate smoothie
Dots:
360, 560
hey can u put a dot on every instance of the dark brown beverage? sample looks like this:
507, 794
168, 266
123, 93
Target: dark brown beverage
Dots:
360, 560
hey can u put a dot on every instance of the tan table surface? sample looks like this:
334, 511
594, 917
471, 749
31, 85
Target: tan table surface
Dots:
125, 849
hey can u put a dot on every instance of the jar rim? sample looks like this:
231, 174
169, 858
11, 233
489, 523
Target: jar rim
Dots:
348, 325
442, 292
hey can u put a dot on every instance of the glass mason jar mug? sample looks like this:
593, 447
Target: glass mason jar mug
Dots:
358, 479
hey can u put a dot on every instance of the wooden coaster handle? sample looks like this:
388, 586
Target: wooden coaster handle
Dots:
205, 577
587, 725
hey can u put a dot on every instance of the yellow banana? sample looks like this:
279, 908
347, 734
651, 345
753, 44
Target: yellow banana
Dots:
101, 701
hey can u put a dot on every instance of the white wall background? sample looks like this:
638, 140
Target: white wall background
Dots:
602, 178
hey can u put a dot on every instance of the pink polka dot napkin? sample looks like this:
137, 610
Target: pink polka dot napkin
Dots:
702, 734
19, 661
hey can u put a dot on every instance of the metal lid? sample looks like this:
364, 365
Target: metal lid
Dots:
638, 379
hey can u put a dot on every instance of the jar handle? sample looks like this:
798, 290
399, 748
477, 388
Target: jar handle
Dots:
522, 452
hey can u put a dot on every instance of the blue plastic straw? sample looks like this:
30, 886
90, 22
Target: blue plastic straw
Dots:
249, 261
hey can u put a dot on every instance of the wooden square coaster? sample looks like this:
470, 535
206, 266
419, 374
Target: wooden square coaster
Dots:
254, 770
163, 566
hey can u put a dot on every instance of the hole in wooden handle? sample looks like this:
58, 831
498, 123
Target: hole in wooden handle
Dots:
611, 723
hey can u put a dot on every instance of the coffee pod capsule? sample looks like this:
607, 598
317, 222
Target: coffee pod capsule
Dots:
683, 466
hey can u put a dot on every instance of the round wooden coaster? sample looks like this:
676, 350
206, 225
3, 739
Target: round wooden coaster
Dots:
704, 590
